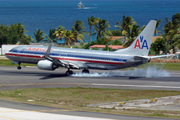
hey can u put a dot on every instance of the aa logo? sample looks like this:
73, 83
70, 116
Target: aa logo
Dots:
143, 42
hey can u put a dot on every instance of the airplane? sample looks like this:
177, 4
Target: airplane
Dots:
50, 58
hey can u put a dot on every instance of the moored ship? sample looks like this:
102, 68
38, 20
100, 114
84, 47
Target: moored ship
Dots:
80, 5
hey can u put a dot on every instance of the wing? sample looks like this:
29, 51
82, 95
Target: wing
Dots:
63, 63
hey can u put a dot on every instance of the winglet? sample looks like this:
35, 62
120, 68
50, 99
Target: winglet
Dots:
48, 50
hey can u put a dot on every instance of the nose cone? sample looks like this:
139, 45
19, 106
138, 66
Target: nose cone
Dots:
6, 53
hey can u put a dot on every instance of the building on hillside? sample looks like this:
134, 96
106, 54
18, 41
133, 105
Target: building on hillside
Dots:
121, 38
155, 37
113, 47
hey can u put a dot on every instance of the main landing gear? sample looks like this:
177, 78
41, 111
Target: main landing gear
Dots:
19, 67
70, 72
85, 71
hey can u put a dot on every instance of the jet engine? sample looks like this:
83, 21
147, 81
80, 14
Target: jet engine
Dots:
46, 65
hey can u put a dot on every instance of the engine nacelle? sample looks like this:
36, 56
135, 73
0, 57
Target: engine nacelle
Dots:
46, 65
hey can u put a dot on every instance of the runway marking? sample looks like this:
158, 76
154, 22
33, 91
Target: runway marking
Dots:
11, 111
54, 110
66, 110
7, 118
96, 84
93, 84
36, 111
31, 115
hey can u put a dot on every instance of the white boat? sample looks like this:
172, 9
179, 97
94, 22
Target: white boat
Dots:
80, 5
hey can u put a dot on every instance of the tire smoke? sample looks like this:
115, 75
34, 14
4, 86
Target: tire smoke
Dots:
148, 72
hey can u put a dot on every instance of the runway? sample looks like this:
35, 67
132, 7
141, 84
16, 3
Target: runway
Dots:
11, 78
31, 77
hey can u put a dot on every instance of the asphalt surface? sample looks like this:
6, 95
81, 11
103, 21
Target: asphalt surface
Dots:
11, 78
31, 77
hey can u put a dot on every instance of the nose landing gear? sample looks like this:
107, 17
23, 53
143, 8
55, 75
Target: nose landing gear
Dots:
19, 67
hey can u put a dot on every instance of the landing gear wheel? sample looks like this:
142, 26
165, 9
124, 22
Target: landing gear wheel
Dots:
69, 72
85, 71
19, 67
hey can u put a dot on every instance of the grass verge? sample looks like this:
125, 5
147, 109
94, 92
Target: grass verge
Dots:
161, 66
78, 98
4, 62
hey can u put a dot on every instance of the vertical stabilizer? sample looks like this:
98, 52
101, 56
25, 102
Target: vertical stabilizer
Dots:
142, 43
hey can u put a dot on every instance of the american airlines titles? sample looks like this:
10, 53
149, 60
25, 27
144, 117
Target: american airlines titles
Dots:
38, 49
144, 43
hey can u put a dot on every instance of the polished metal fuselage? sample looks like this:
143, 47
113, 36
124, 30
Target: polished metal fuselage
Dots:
92, 59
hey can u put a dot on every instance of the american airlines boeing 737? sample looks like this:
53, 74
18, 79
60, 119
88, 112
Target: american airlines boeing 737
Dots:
50, 58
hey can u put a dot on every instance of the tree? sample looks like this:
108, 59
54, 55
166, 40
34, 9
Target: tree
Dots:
107, 48
95, 48
159, 45
103, 41
127, 23
171, 31
38, 36
79, 31
13, 34
92, 21
69, 38
167, 27
176, 37
4, 36
101, 29
115, 33
116, 42
86, 46
60, 32
25, 39
157, 25
131, 35
176, 19
20, 29
52, 37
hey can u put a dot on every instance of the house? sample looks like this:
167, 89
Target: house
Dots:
155, 37
121, 38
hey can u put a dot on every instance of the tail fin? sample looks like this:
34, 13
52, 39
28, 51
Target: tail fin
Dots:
141, 45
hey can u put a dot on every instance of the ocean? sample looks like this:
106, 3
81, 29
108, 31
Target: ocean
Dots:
49, 14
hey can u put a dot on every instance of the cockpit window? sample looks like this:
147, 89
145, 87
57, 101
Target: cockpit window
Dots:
13, 49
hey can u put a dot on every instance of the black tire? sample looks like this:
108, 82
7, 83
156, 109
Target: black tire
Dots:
85, 71
69, 73
19, 67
